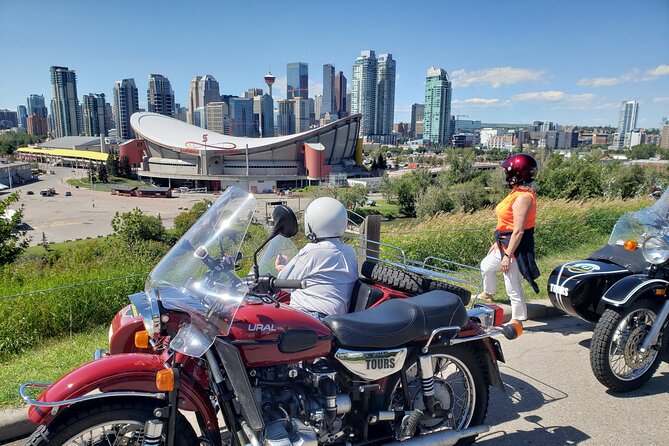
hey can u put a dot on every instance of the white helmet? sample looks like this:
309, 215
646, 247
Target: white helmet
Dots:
325, 217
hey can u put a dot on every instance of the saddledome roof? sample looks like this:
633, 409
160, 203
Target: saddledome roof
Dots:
173, 133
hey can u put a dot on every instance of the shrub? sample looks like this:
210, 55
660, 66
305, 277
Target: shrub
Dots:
434, 200
134, 226
185, 220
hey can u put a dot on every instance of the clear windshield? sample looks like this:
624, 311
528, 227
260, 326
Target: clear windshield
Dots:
642, 224
197, 276
275, 255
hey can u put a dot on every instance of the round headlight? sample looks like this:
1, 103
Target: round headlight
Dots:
656, 250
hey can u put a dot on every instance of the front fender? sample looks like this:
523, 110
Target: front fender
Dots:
129, 372
626, 290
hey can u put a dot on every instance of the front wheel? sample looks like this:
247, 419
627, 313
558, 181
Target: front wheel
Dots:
460, 385
105, 424
614, 354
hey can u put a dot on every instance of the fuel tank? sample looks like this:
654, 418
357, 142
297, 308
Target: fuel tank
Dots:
577, 287
267, 335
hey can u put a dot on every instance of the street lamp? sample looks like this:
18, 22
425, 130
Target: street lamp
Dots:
206, 157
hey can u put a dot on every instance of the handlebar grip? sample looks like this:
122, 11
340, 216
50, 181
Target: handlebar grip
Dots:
289, 284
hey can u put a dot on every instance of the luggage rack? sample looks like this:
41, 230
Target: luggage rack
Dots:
436, 267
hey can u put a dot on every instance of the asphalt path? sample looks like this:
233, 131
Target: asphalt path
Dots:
554, 399
88, 214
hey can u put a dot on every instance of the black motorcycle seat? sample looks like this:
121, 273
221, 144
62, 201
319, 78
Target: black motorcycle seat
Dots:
398, 321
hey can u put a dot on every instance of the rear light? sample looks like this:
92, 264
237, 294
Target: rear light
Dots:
499, 315
165, 380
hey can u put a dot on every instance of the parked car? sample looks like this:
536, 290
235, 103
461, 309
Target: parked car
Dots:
30, 193
68, 194
370, 203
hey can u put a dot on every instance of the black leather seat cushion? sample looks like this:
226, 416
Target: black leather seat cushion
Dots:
398, 321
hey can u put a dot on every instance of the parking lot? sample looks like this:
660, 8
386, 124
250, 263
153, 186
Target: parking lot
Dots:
89, 213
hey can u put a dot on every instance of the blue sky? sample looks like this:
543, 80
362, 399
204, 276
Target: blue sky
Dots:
510, 61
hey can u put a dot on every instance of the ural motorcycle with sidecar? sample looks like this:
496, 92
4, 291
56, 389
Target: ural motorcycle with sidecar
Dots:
623, 288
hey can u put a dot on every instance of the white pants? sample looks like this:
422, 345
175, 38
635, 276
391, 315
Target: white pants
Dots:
490, 265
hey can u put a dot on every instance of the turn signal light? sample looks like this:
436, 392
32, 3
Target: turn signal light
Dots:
661, 292
165, 380
499, 315
519, 328
630, 245
142, 339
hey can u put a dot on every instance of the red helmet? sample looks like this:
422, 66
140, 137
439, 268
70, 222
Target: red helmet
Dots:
520, 169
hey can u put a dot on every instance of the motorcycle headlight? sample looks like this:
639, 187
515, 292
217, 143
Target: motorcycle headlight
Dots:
147, 308
656, 249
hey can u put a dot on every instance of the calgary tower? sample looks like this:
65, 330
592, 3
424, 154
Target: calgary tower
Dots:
269, 80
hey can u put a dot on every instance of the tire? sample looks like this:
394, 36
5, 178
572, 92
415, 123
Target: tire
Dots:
462, 357
409, 282
78, 420
604, 346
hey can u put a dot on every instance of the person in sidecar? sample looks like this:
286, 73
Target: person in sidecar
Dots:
329, 266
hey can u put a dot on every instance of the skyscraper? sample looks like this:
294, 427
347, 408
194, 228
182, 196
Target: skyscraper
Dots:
298, 80
302, 118
363, 91
126, 102
94, 115
437, 107
269, 80
385, 98
627, 117
340, 106
328, 105
263, 107
36, 106
319, 100
215, 115
286, 117
241, 115
65, 103
417, 114
160, 96
22, 116
203, 90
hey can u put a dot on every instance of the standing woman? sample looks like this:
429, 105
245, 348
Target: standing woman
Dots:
513, 250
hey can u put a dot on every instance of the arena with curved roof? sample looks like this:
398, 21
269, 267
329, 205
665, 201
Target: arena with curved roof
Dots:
179, 153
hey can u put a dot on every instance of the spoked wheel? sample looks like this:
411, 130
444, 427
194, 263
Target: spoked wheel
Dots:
106, 425
460, 387
614, 355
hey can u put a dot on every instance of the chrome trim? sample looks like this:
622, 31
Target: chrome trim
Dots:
484, 313
439, 330
372, 364
100, 353
491, 332
34, 402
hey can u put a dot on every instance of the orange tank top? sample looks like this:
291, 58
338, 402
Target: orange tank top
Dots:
504, 211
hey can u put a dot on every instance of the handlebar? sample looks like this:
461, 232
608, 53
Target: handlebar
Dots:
288, 284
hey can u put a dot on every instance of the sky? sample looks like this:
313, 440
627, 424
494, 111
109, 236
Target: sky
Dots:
571, 62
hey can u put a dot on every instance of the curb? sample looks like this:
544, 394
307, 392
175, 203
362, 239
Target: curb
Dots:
15, 424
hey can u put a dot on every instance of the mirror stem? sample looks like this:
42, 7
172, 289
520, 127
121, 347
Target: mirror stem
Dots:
256, 269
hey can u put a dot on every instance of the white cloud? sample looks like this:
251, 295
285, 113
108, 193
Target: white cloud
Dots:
315, 89
634, 75
660, 70
479, 103
552, 96
280, 86
661, 100
495, 77
403, 108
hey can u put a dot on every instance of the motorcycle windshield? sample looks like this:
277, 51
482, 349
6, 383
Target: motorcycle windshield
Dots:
197, 276
642, 224
276, 255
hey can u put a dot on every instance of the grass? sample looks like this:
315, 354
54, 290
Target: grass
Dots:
85, 183
61, 247
48, 362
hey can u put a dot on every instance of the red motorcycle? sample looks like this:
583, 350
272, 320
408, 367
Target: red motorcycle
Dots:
407, 370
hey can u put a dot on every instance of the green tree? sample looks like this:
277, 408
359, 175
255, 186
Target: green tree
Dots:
135, 227
643, 151
92, 171
10, 141
102, 173
185, 220
13, 241
460, 166
113, 166
124, 168
434, 200
352, 197
470, 196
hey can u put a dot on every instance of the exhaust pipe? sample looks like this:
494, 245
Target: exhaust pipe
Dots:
444, 438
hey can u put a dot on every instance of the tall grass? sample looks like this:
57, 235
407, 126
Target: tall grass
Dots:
466, 238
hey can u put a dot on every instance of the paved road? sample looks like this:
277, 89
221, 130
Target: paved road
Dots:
554, 399
89, 214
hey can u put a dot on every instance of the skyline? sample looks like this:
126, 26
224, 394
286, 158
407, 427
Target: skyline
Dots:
514, 63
